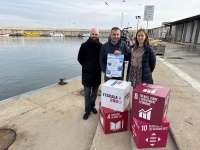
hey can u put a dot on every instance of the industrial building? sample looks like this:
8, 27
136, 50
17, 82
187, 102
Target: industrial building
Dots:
184, 31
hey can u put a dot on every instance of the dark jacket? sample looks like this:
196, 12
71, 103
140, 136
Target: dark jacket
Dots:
108, 47
148, 64
88, 57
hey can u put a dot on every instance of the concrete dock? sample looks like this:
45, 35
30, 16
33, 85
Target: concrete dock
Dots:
51, 118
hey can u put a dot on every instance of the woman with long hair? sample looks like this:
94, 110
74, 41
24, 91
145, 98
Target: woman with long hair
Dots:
143, 60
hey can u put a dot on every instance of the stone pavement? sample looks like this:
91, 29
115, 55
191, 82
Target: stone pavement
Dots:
51, 118
184, 105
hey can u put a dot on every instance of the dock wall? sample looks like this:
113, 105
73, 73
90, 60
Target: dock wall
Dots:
44, 31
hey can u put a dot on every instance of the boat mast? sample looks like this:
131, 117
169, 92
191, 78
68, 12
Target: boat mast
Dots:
122, 21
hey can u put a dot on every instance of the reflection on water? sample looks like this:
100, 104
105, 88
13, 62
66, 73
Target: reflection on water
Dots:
29, 63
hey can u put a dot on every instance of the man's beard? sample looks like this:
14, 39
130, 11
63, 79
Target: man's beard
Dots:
94, 40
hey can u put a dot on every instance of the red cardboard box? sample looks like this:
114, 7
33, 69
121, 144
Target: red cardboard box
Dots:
146, 135
113, 121
150, 103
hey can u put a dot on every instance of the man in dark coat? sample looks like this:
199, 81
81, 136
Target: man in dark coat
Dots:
114, 46
88, 57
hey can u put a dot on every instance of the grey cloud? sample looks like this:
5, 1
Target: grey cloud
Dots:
89, 13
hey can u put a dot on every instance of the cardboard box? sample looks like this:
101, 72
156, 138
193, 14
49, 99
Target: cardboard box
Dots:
113, 121
146, 135
150, 103
115, 94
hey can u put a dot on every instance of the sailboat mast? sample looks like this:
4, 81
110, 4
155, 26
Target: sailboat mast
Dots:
122, 21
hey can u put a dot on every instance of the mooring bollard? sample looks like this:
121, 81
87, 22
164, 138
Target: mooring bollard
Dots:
62, 82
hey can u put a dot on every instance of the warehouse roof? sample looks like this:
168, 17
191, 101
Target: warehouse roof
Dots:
185, 20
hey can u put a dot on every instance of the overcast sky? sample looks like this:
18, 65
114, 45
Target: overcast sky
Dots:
92, 13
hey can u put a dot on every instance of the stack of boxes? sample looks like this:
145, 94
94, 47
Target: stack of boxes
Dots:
149, 126
113, 112
148, 123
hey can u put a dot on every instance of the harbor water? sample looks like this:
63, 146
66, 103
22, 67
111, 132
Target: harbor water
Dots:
31, 63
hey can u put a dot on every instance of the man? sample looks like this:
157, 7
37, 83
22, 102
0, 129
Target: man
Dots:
114, 46
88, 57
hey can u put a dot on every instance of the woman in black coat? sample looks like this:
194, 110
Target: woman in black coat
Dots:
143, 60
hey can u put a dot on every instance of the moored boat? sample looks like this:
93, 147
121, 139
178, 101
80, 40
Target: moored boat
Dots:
55, 34
6, 34
32, 34
20, 34
29, 34
83, 35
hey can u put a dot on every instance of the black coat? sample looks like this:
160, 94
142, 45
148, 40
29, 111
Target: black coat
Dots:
148, 64
88, 57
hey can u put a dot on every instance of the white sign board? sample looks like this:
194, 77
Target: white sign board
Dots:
114, 65
148, 12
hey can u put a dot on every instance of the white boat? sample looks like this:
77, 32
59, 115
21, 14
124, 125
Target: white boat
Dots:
6, 34
83, 35
55, 34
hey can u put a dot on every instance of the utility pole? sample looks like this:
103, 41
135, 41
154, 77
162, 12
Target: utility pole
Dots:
138, 17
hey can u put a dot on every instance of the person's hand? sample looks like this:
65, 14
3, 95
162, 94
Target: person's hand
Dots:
117, 52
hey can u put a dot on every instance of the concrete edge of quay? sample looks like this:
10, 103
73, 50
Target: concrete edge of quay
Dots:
174, 139
34, 91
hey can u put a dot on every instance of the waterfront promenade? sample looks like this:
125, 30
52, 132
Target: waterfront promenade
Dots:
51, 118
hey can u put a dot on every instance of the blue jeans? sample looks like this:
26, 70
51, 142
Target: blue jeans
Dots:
90, 94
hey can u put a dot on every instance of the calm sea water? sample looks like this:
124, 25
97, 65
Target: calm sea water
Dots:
30, 63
